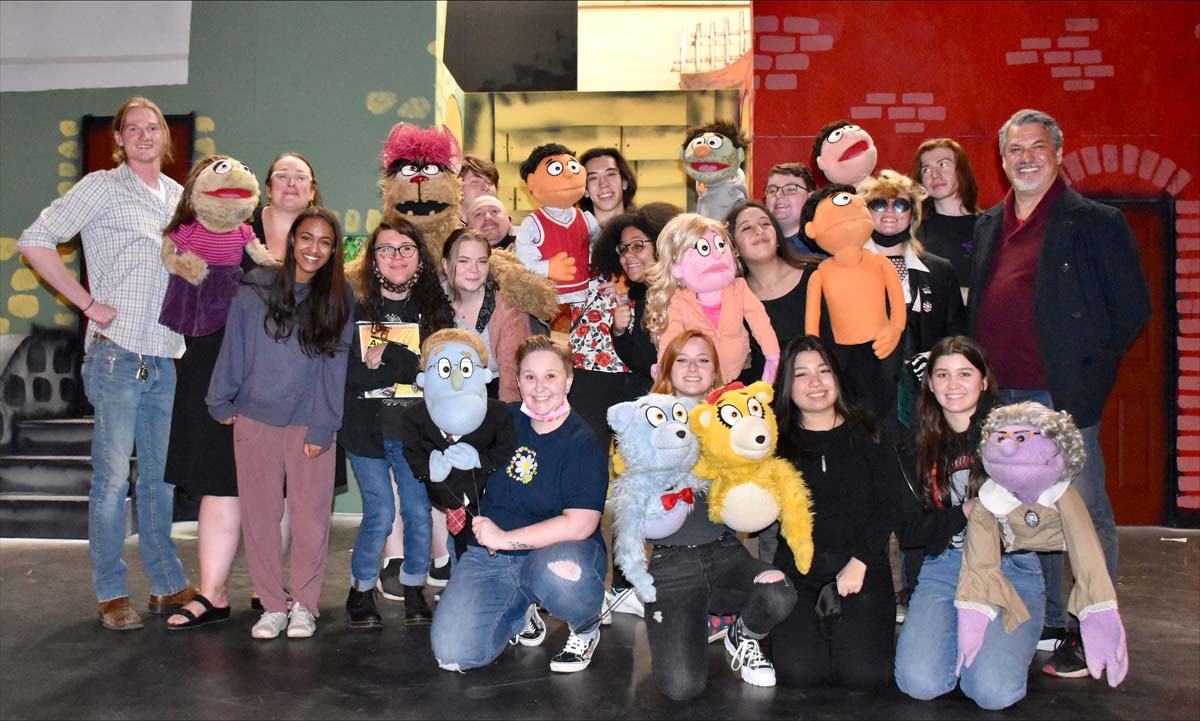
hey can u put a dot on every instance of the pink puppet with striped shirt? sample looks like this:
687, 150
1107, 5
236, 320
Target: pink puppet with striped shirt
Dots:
203, 243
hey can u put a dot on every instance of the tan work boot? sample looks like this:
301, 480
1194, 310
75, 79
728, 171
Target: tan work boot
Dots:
166, 605
117, 615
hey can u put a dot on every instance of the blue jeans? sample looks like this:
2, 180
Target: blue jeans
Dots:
1090, 485
379, 511
928, 647
129, 410
484, 604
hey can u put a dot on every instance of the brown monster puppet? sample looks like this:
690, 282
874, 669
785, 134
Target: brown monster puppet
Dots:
420, 183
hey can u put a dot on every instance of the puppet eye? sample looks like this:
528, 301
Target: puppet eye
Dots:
729, 415
754, 407
851, 127
679, 413
655, 416
720, 244
702, 247
223, 167
555, 168
842, 199
466, 367
835, 136
246, 170
715, 141
444, 367
574, 167
409, 170
696, 142
430, 169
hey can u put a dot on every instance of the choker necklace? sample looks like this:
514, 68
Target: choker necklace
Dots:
890, 241
553, 415
401, 288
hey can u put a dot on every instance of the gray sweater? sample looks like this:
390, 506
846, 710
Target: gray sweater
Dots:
274, 382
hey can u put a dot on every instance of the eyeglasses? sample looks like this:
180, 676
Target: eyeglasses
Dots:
284, 178
636, 246
878, 205
790, 189
391, 251
995, 438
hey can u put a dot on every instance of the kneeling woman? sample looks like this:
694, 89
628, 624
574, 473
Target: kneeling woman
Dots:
842, 628
538, 534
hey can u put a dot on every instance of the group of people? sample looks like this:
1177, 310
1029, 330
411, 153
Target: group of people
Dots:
1036, 298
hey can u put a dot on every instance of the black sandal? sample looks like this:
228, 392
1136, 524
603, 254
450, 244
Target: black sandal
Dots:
211, 614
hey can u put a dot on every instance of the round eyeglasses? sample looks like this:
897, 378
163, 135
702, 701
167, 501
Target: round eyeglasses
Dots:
391, 251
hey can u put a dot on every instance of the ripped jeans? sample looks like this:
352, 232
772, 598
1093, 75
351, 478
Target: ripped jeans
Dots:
692, 582
484, 604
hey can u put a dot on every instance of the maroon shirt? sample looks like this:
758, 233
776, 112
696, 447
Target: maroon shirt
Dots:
1005, 326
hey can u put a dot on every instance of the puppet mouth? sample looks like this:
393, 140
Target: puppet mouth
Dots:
229, 193
423, 207
708, 167
716, 270
855, 150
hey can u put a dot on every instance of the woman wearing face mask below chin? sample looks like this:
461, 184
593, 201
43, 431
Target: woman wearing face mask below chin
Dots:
931, 293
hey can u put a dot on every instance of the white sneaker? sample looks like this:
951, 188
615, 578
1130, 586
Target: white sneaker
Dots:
747, 657
270, 624
577, 654
301, 623
625, 601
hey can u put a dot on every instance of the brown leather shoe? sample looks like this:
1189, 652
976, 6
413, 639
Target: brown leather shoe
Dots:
117, 615
166, 605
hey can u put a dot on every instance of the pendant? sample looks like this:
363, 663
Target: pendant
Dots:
1031, 518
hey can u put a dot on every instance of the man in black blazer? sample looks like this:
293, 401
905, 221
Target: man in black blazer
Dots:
1058, 296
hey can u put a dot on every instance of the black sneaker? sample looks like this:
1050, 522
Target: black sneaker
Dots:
438, 576
1068, 660
577, 654
1051, 637
535, 629
389, 580
416, 610
746, 657
360, 610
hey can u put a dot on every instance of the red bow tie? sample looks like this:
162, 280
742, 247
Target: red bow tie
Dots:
670, 499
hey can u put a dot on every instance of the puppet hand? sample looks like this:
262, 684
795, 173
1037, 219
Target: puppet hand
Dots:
654, 371
886, 341
439, 467
770, 368
972, 625
917, 365
462, 456
562, 268
646, 592
1104, 645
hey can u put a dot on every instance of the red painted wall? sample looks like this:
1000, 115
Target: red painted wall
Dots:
1122, 78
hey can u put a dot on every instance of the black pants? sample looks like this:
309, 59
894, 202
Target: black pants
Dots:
691, 583
869, 382
856, 649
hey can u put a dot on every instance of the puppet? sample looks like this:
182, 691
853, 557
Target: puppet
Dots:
712, 156
202, 245
1031, 455
455, 436
751, 487
656, 489
420, 182
695, 284
844, 153
555, 240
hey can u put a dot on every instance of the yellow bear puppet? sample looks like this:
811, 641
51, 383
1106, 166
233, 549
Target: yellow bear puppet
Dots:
751, 488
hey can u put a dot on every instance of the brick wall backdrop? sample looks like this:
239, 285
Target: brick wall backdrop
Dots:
1123, 79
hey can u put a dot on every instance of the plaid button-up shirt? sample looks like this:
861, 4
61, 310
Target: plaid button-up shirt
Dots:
121, 221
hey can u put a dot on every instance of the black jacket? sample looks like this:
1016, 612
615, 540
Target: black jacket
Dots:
634, 345
942, 311
1090, 298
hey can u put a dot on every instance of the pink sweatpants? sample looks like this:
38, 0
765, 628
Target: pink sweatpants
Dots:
265, 455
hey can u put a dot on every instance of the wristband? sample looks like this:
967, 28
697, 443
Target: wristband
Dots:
89, 305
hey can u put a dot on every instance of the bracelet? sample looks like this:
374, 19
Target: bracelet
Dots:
89, 305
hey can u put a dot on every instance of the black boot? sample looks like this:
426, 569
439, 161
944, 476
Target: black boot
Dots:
360, 610
416, 610
389, 580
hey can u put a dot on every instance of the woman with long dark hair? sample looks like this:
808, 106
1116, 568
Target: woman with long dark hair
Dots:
278, 380
841, 631
395, 281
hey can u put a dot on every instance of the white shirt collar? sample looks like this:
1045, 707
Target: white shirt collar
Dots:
1001, 501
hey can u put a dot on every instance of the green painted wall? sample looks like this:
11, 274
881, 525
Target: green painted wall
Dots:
322, 78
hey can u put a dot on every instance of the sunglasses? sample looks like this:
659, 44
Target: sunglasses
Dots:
878, 205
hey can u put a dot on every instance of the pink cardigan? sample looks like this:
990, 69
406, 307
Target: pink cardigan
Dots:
738, 302
506, 329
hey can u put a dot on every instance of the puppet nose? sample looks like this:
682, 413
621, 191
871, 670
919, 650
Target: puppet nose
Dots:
456, 379
417, 179
701, 151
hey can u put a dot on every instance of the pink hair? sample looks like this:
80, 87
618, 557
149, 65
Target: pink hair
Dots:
421, 146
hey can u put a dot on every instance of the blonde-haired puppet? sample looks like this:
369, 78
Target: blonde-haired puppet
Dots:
1031, 455
696, 284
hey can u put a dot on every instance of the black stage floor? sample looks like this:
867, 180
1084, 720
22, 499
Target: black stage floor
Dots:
57, 662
